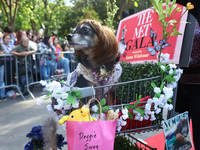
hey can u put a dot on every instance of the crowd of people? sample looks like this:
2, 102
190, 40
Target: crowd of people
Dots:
21, 44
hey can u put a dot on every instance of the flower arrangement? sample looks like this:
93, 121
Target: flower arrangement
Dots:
37, 142
167, 21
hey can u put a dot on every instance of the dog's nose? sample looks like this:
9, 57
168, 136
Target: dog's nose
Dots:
69, 36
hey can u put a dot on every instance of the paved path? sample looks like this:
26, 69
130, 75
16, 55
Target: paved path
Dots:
17, 117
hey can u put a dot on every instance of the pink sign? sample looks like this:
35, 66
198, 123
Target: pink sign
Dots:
142, 36
96, 135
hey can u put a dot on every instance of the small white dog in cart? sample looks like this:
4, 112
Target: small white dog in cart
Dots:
96, 49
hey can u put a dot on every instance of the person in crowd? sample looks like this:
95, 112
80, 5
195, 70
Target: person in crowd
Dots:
21, 51
70, 56
39, 36
29, 35
1, 37
8, 31
32, 44
34, 38
2, 90
19, 35
10, 63
61, 61
30, 31
46, 61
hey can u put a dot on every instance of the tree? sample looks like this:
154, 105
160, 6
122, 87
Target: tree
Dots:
10, 8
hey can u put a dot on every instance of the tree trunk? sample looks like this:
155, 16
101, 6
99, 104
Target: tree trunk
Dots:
123, 7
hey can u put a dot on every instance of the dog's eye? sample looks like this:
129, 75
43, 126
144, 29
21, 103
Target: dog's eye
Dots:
86, 29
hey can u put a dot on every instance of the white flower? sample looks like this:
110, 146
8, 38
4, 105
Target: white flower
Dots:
172, 85
49, 108
170, 71
103, 116
39, 101
148, 106
172, 66
156, 101
64, 95
141, 118
164, 58
134, 111
65, 88
158, 110
60, 102
94, 108
76, 105
125, 116
152, 116
123, 123
179, 71
96, 116
157, 90
117, 110
137, 117
43, 83
58, 107
55, 94
146, 117
150, 101
119, 121
119, 128
170, 107
162, 97
124, 111
86, 106
168, 92
176, 77
67, 106
162, 67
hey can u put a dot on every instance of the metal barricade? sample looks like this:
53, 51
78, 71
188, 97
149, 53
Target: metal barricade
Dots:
34, 66
9, 73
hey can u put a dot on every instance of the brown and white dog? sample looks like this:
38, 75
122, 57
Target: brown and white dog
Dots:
96, 49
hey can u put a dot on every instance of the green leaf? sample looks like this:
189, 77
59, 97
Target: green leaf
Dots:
49, 93
71, 99
130, 115
153, 85
173, 21
104, 108
162, 85
161, 17
46, 98
175, 33
141, 111
102, 102
169, 100
159, 64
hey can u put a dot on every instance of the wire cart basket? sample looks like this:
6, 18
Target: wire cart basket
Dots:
124, 94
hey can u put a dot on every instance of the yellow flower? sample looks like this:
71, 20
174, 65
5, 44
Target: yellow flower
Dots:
190, 6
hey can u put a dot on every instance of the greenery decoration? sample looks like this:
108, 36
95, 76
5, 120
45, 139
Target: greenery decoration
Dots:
134, 72
123, 143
